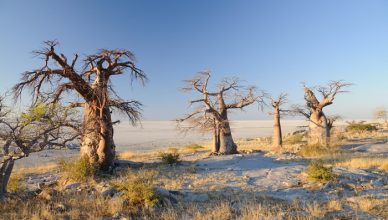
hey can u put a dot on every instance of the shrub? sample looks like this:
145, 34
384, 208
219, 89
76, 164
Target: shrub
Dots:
78, 170
138, 188
170, 158
295, 139
360, 127
15, 183
316, 171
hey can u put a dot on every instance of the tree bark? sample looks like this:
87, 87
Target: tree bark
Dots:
227, 145
318, 129
277, 139
97, 141
5, 172
216, 139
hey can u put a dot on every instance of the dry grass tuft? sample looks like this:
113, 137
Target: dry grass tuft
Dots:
334, 205
366, 163
36, 169
317, 151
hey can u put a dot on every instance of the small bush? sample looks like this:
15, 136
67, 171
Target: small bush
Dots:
360, 127
316, 171
79, 170
138, 188
15, 183
295, 139
170, 158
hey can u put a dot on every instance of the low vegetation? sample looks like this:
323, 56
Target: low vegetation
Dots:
193, 148
16, 183
366, 163
317, 150
170, 158
294, 139
316, 171
138, 188
77, 170
359, 127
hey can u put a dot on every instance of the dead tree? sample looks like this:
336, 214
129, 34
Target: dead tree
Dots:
277, 139
319, 131
92, 84
213, 107
43, 127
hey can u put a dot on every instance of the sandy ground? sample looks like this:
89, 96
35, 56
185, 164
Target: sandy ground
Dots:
157, 135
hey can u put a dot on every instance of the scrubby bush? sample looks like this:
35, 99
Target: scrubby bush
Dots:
138, 188
170, 158
316, 171
78, 170
360, 127
15, 183
294, 139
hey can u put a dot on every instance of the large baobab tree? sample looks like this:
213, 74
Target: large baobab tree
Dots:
41, 127
277, 139
91, 82
319, 131
213, 106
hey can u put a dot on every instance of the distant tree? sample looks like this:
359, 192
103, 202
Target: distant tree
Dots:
277, 139
43, 126
381, 114
319, 131
212, 108
92, 83
331, 120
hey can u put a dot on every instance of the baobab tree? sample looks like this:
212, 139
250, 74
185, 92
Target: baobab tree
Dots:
277, 139
202, 122
92, 84
41, 127
331, 119
319, 131
213, 107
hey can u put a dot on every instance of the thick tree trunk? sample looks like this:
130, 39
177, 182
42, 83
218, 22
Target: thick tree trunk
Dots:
318, 129
216, 139
97, 140
277, 140
5, 172
227, 145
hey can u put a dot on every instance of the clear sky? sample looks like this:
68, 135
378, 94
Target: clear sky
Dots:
272, 44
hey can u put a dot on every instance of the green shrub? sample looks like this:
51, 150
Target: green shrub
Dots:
15, 183
78, 170
360, 127
138, 188
316, 171
295, 139
170, 158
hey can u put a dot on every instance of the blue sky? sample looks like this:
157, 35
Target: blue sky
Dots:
274, 45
